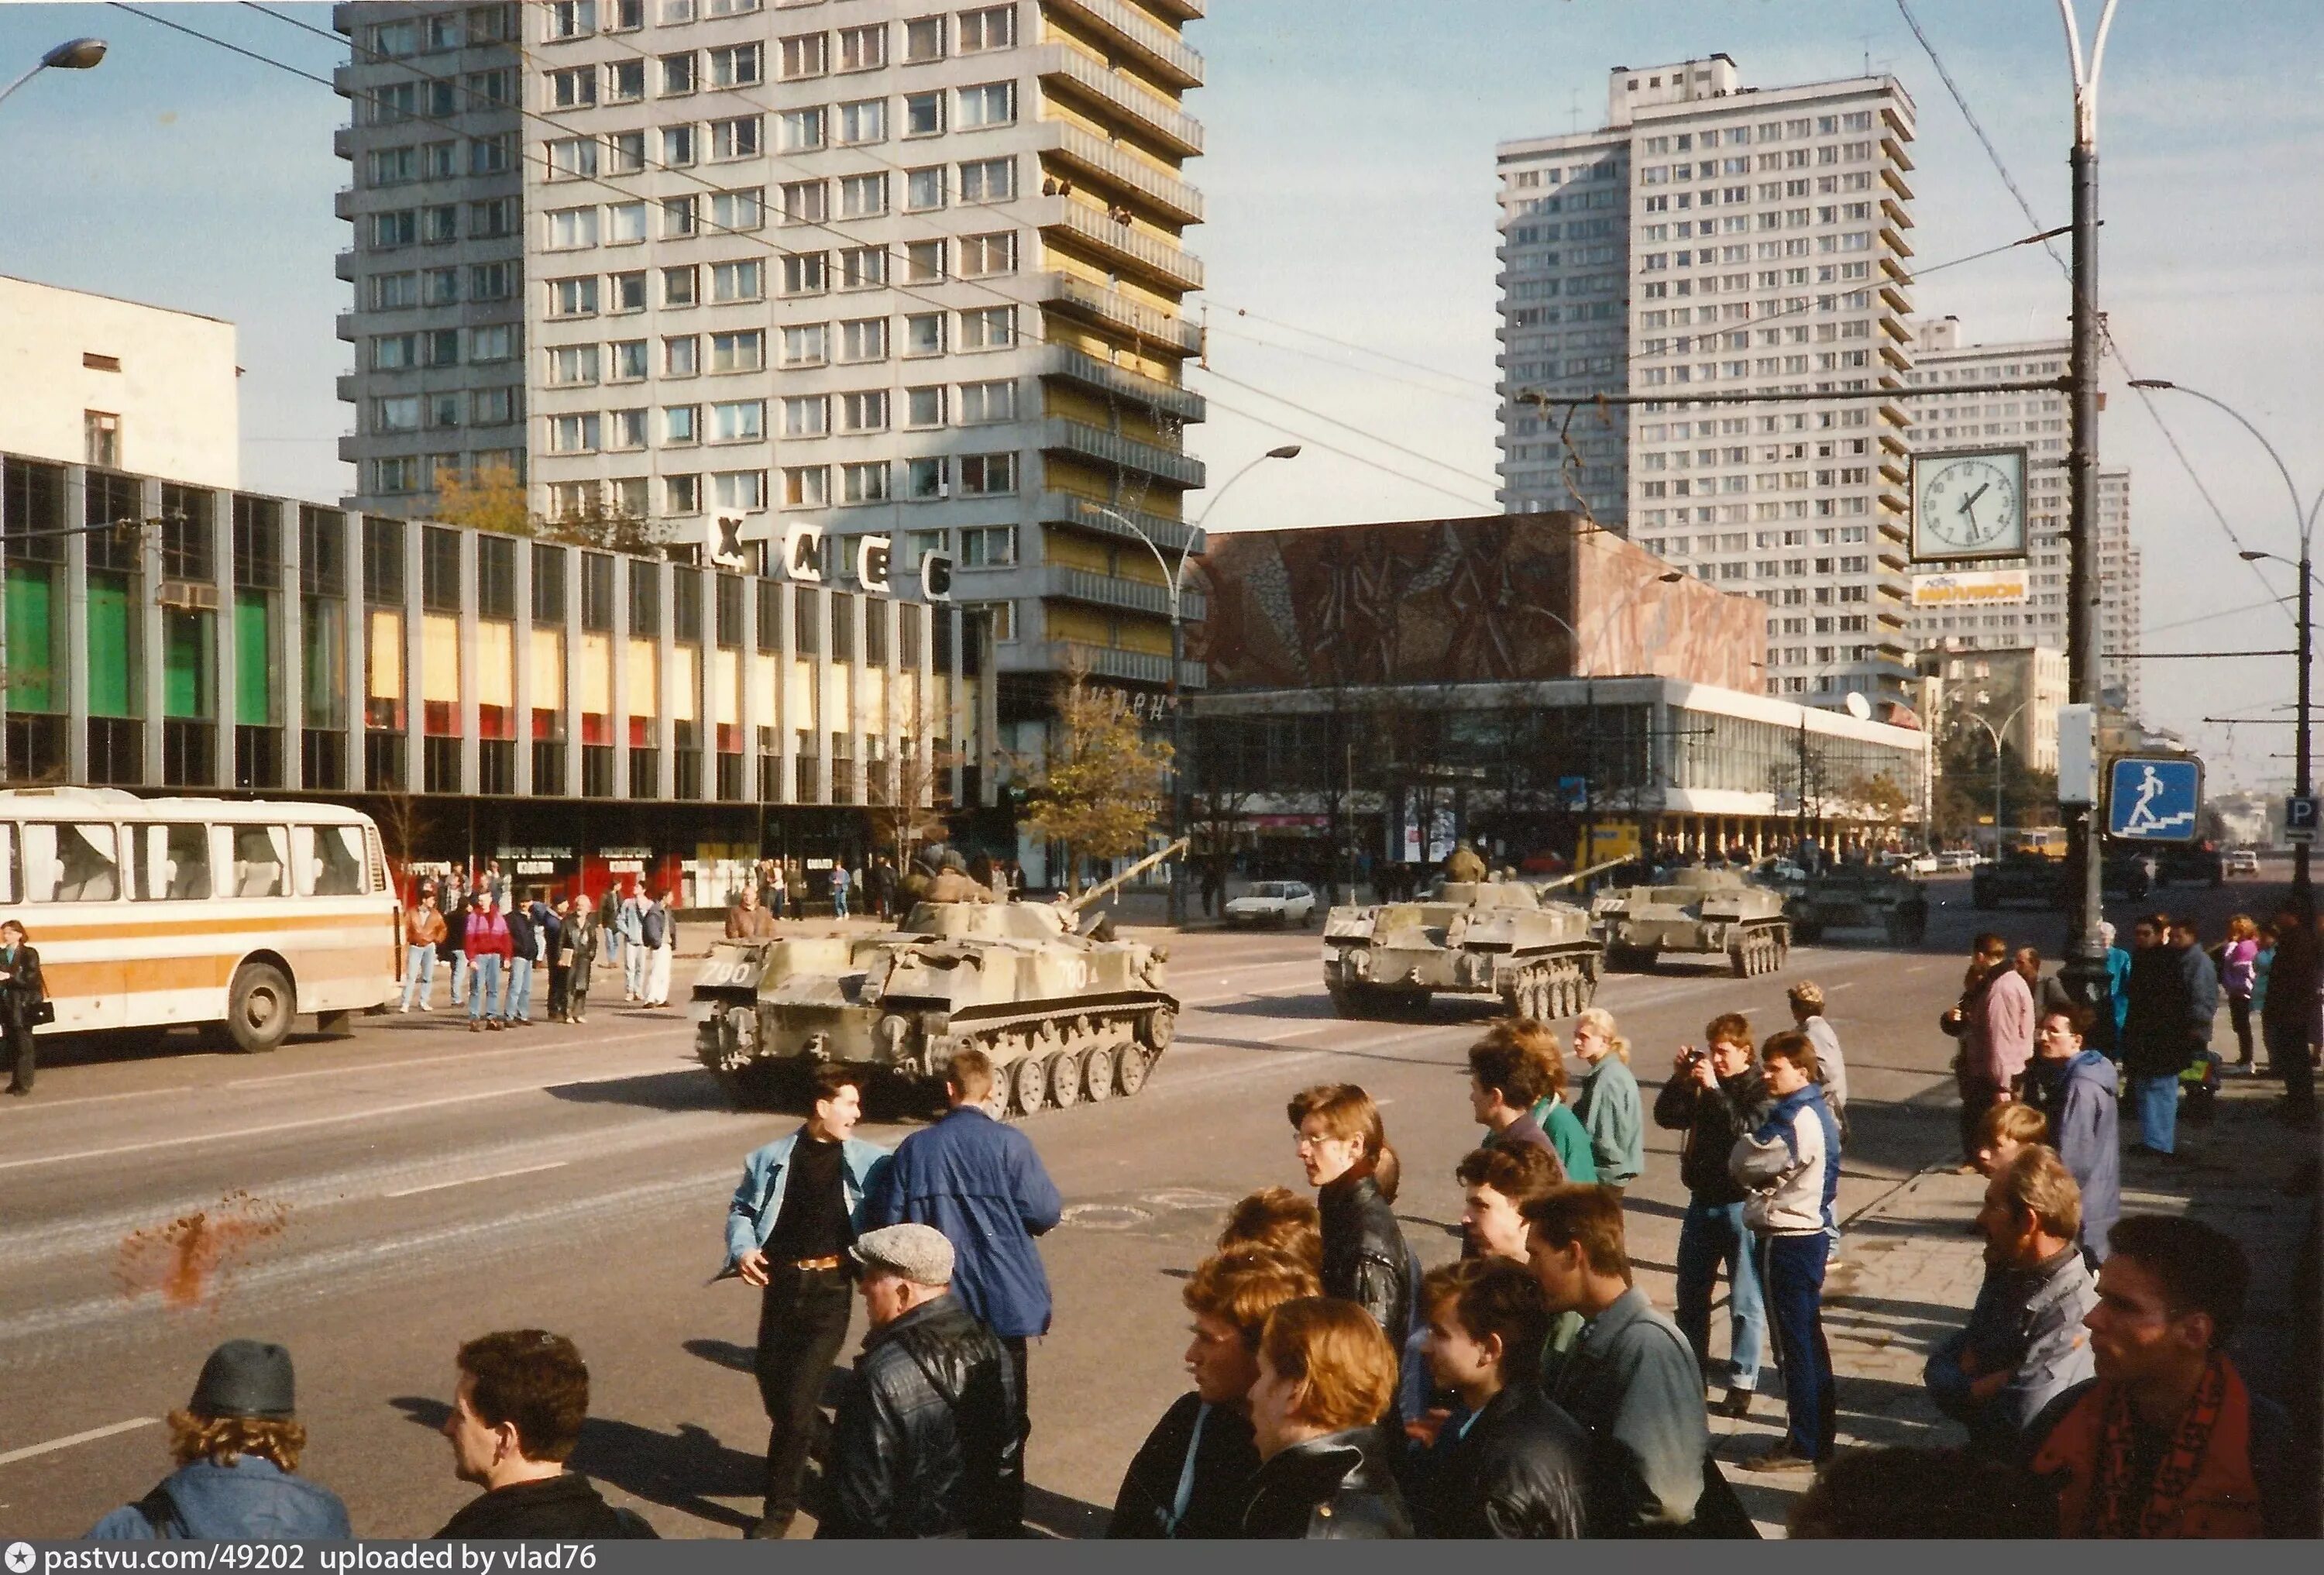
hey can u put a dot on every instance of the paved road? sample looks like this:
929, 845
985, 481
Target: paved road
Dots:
377, 1199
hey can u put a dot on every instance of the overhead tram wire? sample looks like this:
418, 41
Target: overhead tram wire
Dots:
1336, 421
2146, 398
1274, 425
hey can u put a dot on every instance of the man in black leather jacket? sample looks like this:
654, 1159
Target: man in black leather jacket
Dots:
1327, 1377
1507, 1464
926, 1443
1341, 1141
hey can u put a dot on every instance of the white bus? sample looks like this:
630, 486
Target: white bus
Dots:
151, 913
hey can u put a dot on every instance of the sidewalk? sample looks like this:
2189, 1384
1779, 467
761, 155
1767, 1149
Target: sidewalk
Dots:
1910, 1268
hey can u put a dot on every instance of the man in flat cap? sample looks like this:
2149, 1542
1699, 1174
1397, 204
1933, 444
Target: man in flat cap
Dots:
236, 1444
926, 1439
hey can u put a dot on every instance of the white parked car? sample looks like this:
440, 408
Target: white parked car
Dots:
1279, 903
2243, 861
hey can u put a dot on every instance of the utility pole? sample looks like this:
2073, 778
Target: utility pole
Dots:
2085, 970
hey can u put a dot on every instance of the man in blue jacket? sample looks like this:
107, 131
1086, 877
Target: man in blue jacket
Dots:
788, 1230
982, 1184
2074, 1087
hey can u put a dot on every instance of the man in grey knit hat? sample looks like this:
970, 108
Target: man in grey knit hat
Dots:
236, 1444
927, 1443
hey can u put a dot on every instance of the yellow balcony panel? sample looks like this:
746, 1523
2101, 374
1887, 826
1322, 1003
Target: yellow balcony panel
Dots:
1063, 67
1127, 32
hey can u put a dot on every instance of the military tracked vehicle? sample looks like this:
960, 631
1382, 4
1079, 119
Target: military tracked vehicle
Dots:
1693, 910
1859, 897
1067, 1012
1466, 937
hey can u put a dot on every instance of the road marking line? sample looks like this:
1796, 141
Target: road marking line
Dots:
91, 1436
469, 1055
472, 1180
134, 1093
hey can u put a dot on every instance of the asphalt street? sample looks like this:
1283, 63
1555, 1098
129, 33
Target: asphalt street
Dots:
371, 1200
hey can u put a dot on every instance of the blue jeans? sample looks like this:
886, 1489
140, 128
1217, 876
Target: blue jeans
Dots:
484, 981
1792, 1272
1713, 1236
633, 969
460, 972
2158, 1111
420, 976
839, 902
518, 1004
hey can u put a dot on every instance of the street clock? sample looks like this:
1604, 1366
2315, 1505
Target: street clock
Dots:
1969, 505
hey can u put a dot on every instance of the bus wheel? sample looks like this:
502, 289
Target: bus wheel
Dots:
259, 1007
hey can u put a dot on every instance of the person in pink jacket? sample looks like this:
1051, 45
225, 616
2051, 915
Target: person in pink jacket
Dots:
487, 942
1995, 1023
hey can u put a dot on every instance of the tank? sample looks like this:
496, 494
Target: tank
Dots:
1474, 938
1859, 897
1693, 910
1067, 1013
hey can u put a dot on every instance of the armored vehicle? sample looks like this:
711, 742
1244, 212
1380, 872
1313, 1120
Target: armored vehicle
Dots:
2019, 876
1694, 909
1466, 937
1067, 1012
1859, 897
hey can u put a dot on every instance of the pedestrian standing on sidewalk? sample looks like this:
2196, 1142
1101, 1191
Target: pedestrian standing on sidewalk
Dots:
2049, 992
1807, 1002
1715, 1096
1607, 1100
1325, 1378
658, 936
2238, 972
1276, 1219
798, 1212
236, 1445
485, 944
455, 947
1187, 1480
1496, 1184
2074, 1087
515, 1419
2154, 1036
1790, 1167
423, 932
2117, 961
552, 923
2288, 1021
838, 888
1995, 1024
524, 954
2200, 1071
629, 928
1503, 1086
1553, 1112
583, 933
23, 989
1340, 1142
983, 1185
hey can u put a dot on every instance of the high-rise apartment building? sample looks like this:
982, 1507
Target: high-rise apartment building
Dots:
2038, 420
1734, 240
883, 266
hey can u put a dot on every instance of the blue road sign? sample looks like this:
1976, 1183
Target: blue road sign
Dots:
2154, 798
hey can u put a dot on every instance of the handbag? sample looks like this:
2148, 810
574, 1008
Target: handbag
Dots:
43, 1012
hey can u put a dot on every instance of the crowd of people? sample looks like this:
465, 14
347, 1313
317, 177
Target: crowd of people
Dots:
1529, 1389
499, 947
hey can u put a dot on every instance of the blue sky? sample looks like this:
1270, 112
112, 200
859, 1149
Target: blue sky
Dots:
1350, 178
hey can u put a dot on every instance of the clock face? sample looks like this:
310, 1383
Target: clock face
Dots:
1969, 505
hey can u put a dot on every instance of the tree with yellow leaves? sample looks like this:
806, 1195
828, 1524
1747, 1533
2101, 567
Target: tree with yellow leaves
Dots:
1102, 784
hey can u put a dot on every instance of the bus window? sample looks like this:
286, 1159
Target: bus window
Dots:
330, 860
170, 863
70, 862
261, 858
8, 893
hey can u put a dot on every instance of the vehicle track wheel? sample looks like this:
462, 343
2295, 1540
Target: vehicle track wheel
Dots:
1130, 1069
1739, 958
1097, 1073
1028, 1084
1064, 1079
259, 1007
1161, 1028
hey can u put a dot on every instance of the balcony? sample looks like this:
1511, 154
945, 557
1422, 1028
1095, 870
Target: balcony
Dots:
1895, 149
1063, 583
1185, 10
1172, 536
1895, 240
1115, 309
1894, 211
343, 265
1124, 247
347, 386
1157, 50
343, 202
1060, 64
1121, 383
343, 142
1895, 180
1071, 144
346, 326
1060, 436
1135, 666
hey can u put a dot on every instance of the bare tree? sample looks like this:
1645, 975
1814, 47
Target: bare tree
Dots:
909, 794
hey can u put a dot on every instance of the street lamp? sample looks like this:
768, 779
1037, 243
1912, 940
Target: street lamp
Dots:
2303, 523
1995, 734
73, 55
1175, 580
1583, 852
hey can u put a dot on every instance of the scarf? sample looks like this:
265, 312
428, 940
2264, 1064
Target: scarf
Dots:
2109, 1513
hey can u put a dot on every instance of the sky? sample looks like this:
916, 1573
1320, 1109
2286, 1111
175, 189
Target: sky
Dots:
1349, 171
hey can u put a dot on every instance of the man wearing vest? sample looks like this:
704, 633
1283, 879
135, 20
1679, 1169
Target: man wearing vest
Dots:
2167, 1441
788, 1230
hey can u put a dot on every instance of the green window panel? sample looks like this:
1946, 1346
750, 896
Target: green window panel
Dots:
32, 677
113, 688
189, 663
254, 659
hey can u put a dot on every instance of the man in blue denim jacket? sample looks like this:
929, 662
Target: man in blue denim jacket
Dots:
800, 1209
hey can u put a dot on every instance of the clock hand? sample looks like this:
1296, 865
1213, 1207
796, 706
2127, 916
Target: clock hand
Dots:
1969, 502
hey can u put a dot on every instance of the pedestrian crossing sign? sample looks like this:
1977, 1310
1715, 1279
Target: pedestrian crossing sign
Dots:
2154, 798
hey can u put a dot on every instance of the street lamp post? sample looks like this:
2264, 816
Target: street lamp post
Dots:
73, 55
1584, 852
1175, 579
1995, 734
2303, 524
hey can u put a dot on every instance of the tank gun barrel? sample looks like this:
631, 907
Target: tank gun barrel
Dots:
1582, 874
1139, 868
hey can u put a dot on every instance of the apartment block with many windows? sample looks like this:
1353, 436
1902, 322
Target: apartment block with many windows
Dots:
435, 201
2039, 421
1732, 239
879, 266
